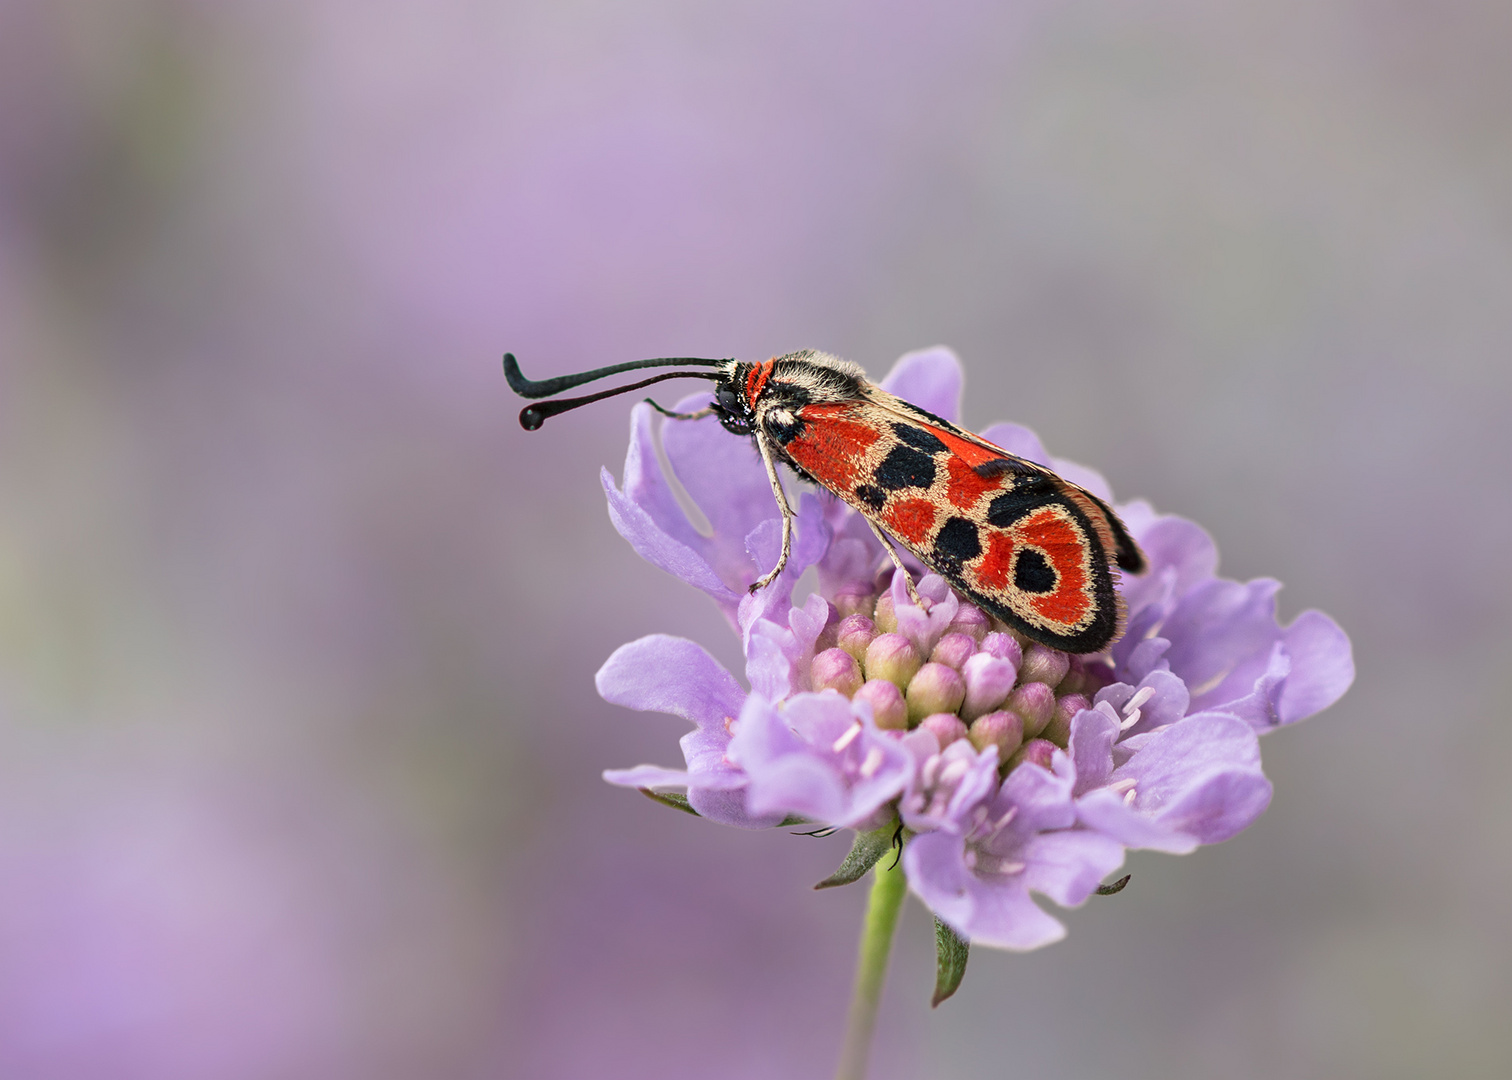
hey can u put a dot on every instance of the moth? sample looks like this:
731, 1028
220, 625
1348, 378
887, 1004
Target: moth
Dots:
1011, 536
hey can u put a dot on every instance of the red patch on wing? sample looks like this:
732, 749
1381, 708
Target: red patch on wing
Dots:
832, 448
1064, 546
992, 571
963, 486
967, 451
910, 520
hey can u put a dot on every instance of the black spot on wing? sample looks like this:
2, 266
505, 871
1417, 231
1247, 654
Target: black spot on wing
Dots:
1028, 493
1032, 573
918, 438
873, 497
957, 544
905, 467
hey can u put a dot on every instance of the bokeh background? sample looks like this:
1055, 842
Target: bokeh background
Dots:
299, 749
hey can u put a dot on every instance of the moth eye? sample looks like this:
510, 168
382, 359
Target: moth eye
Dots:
728, 400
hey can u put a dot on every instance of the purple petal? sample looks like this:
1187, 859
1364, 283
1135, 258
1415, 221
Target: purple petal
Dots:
1215, 626
648, 776
1106, 812
1093, 733
1260, 707
924, 628
723, 475
995, 911
673, 675
1068, 865
1019, 441
646, 484
1322, 666
930, 379
793, 766
1168, 705
1180, 555
1043, 800
660, 549
1201, 777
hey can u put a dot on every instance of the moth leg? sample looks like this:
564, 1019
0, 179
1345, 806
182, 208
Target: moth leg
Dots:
787, 516
913, 594
707, 410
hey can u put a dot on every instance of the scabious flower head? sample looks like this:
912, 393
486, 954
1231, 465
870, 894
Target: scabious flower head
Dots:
1013, 767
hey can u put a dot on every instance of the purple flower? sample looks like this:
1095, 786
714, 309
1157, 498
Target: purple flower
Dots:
1153, 744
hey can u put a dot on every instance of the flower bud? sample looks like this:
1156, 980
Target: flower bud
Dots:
988, 681
953, 649
1004, 647
1044, 665
851, 603
1035, 751
1005, 730
836, 669
1058, 730
1035, 702
892, 657
854, 633
971, 621
1087, 676
946, 727
889, 710
935, 689
885, 618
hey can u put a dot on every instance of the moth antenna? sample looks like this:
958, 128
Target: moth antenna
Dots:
533, 416
539, 388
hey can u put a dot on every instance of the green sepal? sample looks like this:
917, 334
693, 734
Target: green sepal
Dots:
670, 798
951, 951
1114, 887
864, 854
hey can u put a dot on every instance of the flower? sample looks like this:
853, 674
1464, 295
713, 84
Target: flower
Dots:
1010, 767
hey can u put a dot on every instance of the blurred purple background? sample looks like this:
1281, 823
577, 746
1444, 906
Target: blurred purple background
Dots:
301, 752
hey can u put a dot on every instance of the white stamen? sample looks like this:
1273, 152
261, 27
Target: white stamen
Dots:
1130, 720
1139, 699
952, 773
849, 737
1118, 787
872, 763
1129, 798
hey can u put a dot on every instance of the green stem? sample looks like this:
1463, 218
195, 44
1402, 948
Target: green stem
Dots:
888, 888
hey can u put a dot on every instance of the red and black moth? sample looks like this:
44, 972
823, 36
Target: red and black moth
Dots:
1011, 536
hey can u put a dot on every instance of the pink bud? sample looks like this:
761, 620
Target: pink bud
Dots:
892, 657
1058, 730
1005, 730
971, 621
1043, 664
988, 681
849, 603
836, 669
889, 710
934, 689
1035, 702
854, 633
947, 727
884, 615
1035, 752
1004, 647
953, 649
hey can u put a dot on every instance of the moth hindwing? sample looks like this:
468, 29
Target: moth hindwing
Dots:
1017, 540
